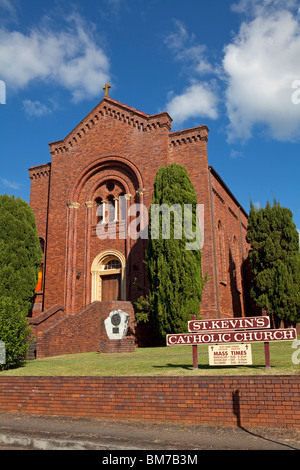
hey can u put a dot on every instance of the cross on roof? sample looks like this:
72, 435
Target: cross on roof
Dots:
106, 88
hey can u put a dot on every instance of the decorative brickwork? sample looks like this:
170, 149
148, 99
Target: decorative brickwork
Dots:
271, 401
116, 151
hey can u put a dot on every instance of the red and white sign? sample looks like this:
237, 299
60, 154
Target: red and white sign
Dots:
229, 324
257, 336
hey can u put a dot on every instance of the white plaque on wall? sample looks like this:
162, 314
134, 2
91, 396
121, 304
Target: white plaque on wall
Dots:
116, 324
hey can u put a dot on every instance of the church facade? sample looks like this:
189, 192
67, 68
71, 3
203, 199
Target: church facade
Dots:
97, 173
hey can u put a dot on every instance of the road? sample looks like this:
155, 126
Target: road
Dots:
20, 432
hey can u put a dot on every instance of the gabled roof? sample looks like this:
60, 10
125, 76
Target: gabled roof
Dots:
116, 110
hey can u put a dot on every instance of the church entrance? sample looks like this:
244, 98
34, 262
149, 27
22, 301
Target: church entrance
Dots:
111, 288
108, 277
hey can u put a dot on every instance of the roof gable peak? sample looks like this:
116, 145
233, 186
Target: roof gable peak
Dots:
116, 110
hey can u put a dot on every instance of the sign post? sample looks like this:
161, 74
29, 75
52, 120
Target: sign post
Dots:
267, 349
195, 351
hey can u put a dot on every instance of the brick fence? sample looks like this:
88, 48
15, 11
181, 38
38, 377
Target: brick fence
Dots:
248, 401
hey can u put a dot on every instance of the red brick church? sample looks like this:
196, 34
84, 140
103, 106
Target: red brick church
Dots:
116, 151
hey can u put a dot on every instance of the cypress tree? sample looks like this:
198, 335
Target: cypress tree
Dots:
275, 262
174, 259
14, 332
20, 252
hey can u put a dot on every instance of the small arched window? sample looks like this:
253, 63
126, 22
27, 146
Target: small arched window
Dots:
221, 255
39, 286
112, 264
111, 208
100, 210
236, 265
42, 244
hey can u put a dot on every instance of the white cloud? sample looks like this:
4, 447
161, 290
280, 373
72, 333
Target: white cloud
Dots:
259, 7
177, 39
204, 67
10, 184
114, 6
235, 154
8, 6
35, 108
261, 64
184, 49
198, 100
70, 58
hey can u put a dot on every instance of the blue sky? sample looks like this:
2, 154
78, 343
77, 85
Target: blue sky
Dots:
232, 65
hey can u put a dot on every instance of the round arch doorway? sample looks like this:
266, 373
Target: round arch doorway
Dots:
108, 276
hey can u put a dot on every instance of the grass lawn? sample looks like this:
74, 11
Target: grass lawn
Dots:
165, 361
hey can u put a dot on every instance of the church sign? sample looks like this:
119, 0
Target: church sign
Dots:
257, 336
230, 331
229, 323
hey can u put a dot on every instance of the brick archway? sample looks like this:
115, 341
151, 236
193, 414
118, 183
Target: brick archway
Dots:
118, 163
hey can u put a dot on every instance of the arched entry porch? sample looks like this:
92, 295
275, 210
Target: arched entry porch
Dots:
108, 276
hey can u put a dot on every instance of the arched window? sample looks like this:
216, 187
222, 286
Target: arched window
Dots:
122, 203
222, 271
100, 212
42, 244
111, 209
236, 266
112, 264
39, 286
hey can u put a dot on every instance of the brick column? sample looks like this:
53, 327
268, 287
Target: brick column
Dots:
71, 252
87, 267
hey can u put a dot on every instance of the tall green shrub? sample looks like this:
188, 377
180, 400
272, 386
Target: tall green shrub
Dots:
275, 262
20, 252
174, 269
14, 332
20, 259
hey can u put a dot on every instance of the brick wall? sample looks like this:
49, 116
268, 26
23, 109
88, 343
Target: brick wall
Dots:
189, 148
231, 249
248, 401
39, 199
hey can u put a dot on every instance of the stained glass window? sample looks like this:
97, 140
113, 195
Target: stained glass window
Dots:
39, 286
